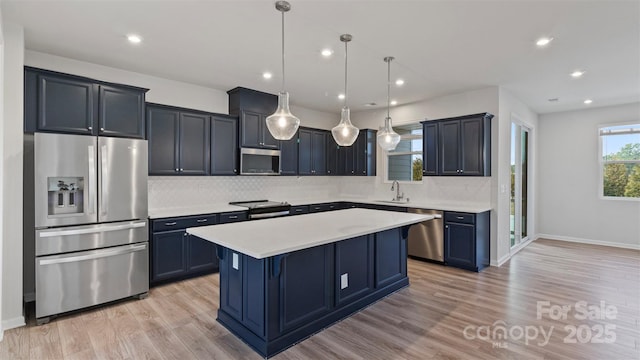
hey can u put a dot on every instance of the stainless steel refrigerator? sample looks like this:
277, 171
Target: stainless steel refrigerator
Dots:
91, 237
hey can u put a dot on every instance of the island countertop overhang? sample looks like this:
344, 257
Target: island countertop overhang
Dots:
270, 237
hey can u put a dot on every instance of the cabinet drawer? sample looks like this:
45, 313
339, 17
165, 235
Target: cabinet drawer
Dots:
234, 216
457, 217
299, 210
184, 222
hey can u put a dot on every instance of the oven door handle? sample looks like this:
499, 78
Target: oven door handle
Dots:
93, 230
93, 255
268, 215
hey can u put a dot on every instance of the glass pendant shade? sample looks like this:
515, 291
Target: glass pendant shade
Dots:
345, 133
282, 124
387, 138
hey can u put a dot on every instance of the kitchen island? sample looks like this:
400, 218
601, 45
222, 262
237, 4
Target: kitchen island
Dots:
284, 279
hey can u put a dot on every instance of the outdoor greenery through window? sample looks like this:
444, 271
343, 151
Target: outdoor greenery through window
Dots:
621, 161
405, 162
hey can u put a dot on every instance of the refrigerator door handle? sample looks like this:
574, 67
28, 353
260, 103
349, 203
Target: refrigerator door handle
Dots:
93, 230
94, 255
92, 180
103, 184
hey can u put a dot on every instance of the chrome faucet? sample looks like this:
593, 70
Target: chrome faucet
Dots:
395, 185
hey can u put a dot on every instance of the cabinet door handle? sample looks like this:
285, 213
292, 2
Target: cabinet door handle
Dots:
233, 217
185, 234
460, 217
181, 169
298, 210
170, 223
177, 170
201, 220
90, 128
446, 226
101, 129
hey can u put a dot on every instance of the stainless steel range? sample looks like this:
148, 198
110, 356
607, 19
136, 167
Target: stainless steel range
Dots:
262, 209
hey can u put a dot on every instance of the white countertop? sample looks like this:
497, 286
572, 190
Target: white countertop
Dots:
270, 237
475, 208
222, 207
193, 210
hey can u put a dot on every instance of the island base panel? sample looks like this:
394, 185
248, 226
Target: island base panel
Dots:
276, 302
273, 347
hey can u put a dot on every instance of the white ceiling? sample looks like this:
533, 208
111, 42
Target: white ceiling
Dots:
441, 47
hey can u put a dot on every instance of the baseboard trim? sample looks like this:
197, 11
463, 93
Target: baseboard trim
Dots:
13, 323
500, 261
589, 241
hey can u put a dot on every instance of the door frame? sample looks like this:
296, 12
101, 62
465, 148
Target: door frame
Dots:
521, 242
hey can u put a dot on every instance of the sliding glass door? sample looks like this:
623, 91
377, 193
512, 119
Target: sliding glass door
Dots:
519, 214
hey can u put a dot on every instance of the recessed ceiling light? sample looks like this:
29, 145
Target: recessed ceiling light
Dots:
134, 39
341, 96
267, 75
588, 101
326, 52
394, 102
577, 73
399, 82
544, 41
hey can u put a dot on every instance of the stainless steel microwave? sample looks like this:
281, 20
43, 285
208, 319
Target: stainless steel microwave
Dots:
259, 162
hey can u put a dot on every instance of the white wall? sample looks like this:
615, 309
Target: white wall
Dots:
479, 190
12, 158
165, 91
162, 91
569, 204
513, 109
1, 159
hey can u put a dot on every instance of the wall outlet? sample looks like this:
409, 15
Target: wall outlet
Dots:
235, 261
344, 281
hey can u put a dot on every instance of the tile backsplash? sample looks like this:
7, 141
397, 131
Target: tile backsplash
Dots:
183, 191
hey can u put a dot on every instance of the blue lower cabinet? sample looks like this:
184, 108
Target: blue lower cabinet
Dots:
276, 302
169, 255
466, 240
176, 255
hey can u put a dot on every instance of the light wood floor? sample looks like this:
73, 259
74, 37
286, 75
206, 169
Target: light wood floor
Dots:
425, 321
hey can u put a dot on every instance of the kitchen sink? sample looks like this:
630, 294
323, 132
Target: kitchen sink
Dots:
393, 201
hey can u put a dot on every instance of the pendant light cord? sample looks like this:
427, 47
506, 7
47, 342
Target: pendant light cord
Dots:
282, 51
346, 56
388, 86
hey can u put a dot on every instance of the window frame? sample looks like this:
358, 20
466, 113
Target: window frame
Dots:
412, 137
602, 162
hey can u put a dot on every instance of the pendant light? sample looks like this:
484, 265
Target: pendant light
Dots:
345, 133
282, 124
387, 138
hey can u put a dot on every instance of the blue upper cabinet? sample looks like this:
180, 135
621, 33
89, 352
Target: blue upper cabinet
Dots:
459, 146
224, 145
253, 107
62, 103
179, 141
121, 112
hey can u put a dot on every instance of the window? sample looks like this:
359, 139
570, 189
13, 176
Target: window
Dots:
620, 159
405, 162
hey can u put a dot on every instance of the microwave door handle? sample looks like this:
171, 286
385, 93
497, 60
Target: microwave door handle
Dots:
91, 186
103, 184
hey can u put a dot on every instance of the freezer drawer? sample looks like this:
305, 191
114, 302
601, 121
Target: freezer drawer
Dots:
81, 279
89, 237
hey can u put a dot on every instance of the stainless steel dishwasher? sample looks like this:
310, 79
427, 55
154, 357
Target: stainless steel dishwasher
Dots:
426, 239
